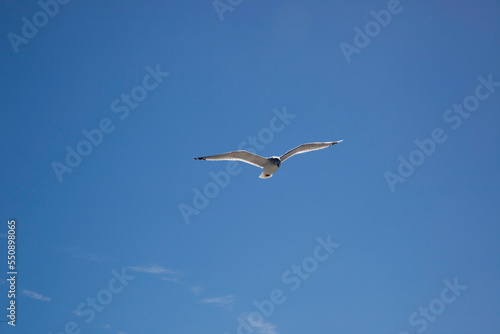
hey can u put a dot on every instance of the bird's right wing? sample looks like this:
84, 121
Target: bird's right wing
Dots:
249, 158
307, 148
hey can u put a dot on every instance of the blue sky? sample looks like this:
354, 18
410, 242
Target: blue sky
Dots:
374, 235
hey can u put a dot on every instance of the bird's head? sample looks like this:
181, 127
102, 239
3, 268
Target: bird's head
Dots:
275, 160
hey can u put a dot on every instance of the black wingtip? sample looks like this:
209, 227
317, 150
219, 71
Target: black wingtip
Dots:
199, 158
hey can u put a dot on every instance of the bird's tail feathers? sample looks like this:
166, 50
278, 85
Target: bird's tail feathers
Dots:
265, 175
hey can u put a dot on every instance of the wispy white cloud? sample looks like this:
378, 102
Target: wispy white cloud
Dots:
153, 270
171, 279
224, 301
196, 290
35, 295
88, 256
78, 253
262, 327
165, 273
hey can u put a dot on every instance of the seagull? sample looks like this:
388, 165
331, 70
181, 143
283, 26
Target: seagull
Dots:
271, 164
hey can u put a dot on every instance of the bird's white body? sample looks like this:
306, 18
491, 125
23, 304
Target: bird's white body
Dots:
269, 165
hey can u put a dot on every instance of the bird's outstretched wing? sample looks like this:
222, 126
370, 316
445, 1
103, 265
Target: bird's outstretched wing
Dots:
249, 158
307, 148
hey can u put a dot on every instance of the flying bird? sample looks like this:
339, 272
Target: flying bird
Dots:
271, 164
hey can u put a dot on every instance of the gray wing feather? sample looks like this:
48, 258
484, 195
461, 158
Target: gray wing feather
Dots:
307, 148
249, 158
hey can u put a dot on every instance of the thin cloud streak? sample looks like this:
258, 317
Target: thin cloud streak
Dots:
165, 274
223, 301
196, 290
262, 327
78, 253
154, 270
35, 295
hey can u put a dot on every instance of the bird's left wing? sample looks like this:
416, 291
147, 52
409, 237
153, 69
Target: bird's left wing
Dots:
250, 158
307, 148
